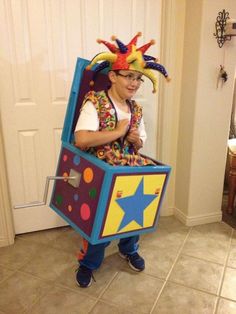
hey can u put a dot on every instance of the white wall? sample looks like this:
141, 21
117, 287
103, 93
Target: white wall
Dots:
204, 114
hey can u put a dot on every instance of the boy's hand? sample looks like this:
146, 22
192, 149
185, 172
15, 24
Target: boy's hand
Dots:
133, 137
122, 126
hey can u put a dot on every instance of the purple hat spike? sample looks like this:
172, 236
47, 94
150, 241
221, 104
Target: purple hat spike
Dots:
156, 66
148, 58
122, 47
99, 67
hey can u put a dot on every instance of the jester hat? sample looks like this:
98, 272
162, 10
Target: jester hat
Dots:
127, 57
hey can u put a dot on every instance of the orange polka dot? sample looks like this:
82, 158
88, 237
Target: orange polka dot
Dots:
88, 175
70, 208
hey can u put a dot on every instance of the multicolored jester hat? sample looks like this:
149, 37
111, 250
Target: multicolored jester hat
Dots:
128, 57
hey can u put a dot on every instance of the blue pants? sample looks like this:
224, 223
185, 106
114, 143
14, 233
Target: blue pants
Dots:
92, 255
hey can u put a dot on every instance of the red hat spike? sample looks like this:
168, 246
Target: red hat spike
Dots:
110, 46
144, 48
134, 40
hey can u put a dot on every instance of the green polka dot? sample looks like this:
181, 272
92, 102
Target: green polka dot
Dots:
93, 193
59, 199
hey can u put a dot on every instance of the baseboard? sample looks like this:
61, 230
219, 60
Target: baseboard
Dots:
167, 212
5, 242
198, 219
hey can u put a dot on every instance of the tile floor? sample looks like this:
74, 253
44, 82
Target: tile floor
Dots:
188, 270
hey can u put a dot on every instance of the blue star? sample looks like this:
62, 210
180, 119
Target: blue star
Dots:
134, 206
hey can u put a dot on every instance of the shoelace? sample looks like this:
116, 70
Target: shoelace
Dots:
134, 256
86, 270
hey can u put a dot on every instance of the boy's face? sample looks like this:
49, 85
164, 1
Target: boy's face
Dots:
125, 82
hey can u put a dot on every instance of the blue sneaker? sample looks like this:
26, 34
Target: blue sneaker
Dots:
135, 261
84, 276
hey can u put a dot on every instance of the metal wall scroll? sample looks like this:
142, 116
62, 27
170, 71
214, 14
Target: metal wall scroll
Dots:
220, 28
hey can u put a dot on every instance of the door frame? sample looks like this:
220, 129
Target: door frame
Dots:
168, 10
7, 233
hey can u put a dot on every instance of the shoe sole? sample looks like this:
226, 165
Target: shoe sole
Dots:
84, 286
130, 265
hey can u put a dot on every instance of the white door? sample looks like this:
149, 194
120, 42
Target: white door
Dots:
40, 41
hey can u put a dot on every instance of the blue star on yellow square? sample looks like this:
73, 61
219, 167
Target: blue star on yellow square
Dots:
134, 203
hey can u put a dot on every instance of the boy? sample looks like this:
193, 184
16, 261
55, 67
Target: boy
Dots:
111, 127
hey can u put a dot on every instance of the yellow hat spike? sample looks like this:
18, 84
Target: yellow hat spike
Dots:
107, 56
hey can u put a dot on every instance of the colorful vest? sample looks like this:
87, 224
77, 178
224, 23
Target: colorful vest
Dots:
119, 152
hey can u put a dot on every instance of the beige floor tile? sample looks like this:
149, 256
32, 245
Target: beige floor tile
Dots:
19, 292
133, 291
103, 276
176, 299
171, 223
158, 262
62, 301
5, 273
163, 238
69, 241
158, 258
112, 248
195, 273
49, 263
226, 307
43, 237
232, 256
234, 236
105, 308
16, 255
209, 242
229, 284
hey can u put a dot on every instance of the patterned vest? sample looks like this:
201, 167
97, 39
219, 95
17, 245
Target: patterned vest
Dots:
119, 152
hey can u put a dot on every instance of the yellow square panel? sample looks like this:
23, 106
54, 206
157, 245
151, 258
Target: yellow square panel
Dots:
134, 203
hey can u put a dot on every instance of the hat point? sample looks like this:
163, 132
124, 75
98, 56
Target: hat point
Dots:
99, 41
113, 37
152, 42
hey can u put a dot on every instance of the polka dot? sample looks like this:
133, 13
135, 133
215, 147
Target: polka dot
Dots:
88, 175
59, 199
76, 197
85, 211
65, 157
70, 208
76, 160
93, 193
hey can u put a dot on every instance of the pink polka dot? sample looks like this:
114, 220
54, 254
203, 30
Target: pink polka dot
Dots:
70, 208
85, 211
65, 157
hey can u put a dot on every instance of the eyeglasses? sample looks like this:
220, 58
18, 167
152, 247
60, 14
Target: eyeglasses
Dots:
130, 77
